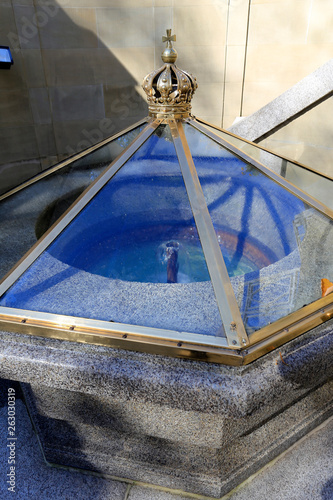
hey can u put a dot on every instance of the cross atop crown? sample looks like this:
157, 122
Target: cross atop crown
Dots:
169, 54
169, 38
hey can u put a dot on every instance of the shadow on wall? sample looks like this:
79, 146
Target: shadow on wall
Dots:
66, 90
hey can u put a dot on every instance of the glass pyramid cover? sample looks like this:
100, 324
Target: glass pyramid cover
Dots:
169, 238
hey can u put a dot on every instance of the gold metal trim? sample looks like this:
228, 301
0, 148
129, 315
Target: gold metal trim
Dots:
321, 309
139, 338
132, 337
155, 341
170, 112
71, 159
258, 146
289, 186
226, 301
77, 206
273, 336
74, 323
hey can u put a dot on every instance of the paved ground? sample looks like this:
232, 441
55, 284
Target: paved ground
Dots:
304, 472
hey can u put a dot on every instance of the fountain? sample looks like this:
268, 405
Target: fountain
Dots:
168, 326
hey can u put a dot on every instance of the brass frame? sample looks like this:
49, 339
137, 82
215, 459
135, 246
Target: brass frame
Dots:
226, 301
119, 335
237, 348
258, 146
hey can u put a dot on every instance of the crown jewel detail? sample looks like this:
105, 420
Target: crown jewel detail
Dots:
169, 89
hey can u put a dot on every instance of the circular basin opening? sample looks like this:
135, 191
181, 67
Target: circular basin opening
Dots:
149, 254
155, 254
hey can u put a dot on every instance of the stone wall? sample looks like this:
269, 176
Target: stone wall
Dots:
78, 65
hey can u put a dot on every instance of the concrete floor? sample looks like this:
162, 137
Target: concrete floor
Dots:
304, 472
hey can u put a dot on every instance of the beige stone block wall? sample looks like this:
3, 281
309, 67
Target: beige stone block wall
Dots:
237, 29
284, 45
79, 64
74, 80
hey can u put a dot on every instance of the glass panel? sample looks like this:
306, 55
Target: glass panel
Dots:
309, 181
276, 248
132, 255
312, 183
27, 214
307, 139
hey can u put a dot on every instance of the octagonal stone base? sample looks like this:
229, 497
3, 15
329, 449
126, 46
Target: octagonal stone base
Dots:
194, 426
191, 452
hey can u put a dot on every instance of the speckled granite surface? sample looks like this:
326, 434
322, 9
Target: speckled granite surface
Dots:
303, 472
56, 287
33, 478
177, 423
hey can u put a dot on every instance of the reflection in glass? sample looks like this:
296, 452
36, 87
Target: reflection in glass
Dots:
132, 255
311, 182
287, 242
316, 185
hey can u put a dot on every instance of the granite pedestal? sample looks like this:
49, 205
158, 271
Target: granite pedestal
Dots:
194, 426
178, 423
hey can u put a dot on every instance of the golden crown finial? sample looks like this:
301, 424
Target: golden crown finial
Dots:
169, 89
